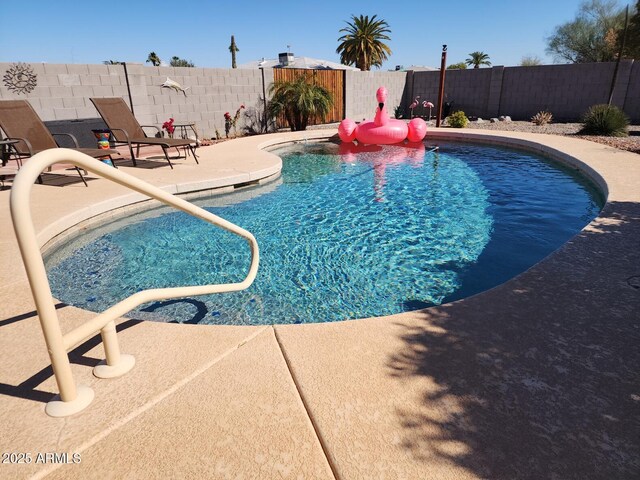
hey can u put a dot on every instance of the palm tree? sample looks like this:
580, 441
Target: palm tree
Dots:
299, 101
154, 59
477, 59
362, 44
233, 48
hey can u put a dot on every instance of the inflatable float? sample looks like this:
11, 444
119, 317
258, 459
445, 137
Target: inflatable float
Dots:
382, 130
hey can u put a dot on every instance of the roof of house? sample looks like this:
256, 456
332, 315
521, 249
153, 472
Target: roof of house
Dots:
298, 62
421, 68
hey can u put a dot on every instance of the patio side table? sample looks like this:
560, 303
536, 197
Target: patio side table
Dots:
183, 129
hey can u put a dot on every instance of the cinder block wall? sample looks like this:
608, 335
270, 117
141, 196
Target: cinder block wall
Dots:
567, 91
361, 87
632, 97
63, 92
210, 93
520, 92
467, 89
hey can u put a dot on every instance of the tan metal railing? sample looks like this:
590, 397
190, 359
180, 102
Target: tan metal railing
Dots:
73, 399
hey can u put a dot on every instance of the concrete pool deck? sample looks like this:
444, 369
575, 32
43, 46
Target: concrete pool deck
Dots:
536, 378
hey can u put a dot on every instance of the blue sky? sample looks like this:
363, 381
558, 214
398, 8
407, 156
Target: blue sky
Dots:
91, 31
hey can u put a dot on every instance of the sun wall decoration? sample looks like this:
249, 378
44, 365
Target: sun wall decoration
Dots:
20, 78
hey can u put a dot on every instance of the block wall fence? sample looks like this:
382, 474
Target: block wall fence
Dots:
567, 91
360, 87
63, 91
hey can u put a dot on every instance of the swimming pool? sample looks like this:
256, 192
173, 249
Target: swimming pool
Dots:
347, 232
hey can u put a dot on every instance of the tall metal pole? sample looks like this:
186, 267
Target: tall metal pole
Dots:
443, 68
615, 70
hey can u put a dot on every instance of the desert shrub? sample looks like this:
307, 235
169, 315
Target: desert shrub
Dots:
542, 117
299, 101
457, 119
607, 120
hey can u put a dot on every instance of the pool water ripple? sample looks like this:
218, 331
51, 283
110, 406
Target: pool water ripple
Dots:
345, 233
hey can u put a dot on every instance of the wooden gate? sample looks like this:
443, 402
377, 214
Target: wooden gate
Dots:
332, 80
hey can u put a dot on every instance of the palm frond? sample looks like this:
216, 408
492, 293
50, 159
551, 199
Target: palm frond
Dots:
363, 44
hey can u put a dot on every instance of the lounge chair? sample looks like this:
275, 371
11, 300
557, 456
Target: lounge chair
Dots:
126, 130
19, 121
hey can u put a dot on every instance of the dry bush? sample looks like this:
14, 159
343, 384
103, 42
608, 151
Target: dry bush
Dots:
542, 118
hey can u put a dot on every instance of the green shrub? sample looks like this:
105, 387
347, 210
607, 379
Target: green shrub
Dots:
299, 101
398, 112
607, 120
457, 119
542, 117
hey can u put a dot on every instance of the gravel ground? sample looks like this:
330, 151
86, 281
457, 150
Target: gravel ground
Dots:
630, 143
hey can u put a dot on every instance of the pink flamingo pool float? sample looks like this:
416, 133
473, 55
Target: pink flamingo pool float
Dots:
382, 130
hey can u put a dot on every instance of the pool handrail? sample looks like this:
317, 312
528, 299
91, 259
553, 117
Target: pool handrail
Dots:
71, 399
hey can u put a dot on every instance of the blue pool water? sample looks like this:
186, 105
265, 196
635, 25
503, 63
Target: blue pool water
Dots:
344, 233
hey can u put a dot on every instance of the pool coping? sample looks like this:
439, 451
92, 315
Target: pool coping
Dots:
245, 160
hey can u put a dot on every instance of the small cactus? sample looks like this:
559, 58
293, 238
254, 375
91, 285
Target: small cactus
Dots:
542, 117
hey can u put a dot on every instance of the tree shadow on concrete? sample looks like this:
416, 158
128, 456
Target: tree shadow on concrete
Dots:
538, 378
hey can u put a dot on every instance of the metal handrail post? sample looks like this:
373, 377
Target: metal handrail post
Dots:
115, 363
72, 399
69, 402
110, 341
